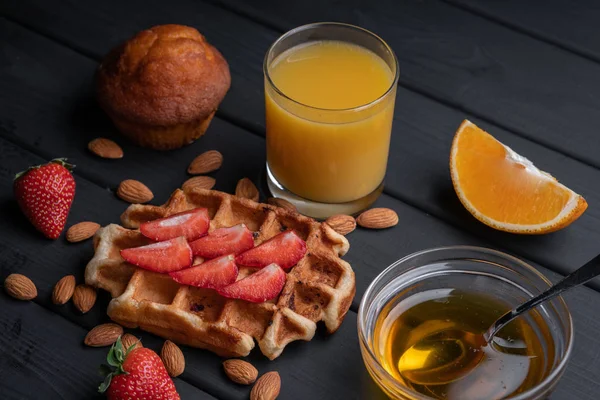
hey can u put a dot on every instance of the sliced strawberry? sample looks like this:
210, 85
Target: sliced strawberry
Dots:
285, 250
212, 274
190, 224
170, 255
234, 240
266, 284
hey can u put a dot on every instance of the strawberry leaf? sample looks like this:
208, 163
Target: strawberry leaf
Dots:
60, 161
115, 359
104, 385
131, 348
111, 359
104, 370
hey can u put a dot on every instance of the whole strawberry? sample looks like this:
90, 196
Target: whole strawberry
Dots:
45, 194
139, 375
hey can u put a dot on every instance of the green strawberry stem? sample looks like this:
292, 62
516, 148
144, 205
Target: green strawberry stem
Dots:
61, 161
115, 359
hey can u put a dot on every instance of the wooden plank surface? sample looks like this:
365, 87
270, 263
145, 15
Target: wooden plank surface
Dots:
23, 250
417, 172
571, 25
334, 356
337, 355
520, 83
515, 81
39, 358
55, 113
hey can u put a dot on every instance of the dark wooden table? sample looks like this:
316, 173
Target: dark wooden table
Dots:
528, 72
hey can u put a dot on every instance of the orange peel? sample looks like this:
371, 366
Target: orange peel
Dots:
505, 190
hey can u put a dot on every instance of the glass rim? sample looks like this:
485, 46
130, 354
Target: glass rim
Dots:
546, 382
396, 70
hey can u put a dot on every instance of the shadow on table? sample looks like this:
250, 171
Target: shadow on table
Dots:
90, 122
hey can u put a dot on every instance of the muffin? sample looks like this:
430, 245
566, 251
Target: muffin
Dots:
162, 87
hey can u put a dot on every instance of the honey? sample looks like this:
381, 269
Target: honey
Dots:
409, 331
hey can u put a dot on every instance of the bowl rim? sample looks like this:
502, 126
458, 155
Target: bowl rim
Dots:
548, 382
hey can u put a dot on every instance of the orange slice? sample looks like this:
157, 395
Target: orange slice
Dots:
505, 190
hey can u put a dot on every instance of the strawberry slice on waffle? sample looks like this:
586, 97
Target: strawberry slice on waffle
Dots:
233, 240
168, 256
266, 284
212, 274
191, 224
285, 250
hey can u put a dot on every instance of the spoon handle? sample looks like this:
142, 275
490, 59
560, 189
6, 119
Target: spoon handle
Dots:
578, 277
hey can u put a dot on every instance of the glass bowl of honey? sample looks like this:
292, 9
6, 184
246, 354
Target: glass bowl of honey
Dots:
407, 312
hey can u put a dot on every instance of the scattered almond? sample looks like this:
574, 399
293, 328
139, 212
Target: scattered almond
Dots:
240, 371
63, 290
105, 148
378, 218
103, 335
342, 224
134, 192
246, 189
281, 203
20, 287
129, 340
82, 231
84, 298
199, 182
206, 162
173, 359
267, 387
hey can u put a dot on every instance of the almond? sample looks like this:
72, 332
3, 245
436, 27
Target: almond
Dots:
173, 359
135, 192
378, 218
105, 148
198, 182
342, 224
206, 162
82, 231
240, 371
103, 335
84, 298
20, 287
282, 203
267, 387
63, 290
128, 340
246, 189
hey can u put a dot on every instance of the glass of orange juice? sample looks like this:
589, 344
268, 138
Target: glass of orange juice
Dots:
330, 90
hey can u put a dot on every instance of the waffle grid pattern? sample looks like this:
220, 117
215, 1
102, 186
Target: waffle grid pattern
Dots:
319, 288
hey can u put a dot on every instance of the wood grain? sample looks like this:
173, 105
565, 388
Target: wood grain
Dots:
417, 173
372, 251
486, 69
23, 250
41, 356
571, 25
48, 108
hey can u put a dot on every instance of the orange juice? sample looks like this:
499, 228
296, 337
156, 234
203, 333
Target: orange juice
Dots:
329, 120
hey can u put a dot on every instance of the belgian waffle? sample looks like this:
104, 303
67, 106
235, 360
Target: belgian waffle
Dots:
319, 288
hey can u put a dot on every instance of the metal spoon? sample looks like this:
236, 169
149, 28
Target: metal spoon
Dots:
435, 367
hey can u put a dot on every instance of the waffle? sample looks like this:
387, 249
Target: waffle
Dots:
319, 288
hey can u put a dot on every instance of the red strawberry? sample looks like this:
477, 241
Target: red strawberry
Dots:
261, 286
45, 194
190, 224
139, 375
285, 250
168, 256
219, 242
212, 274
